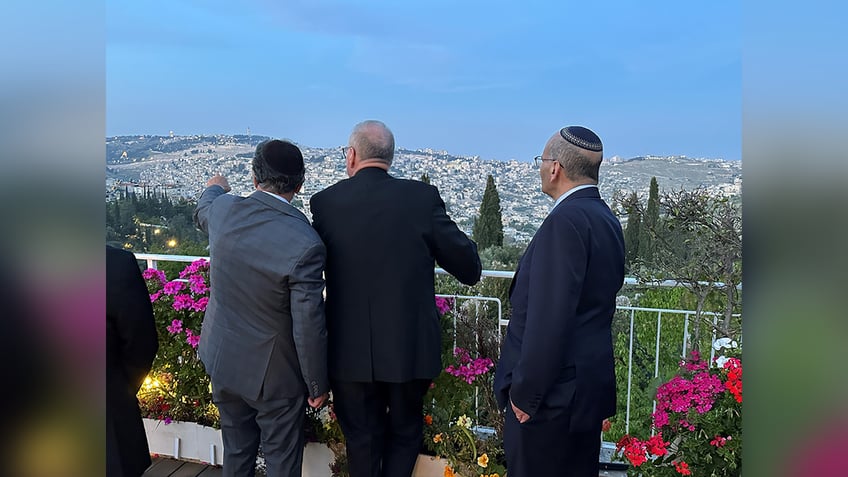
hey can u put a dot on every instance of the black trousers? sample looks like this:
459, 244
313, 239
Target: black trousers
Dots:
544, 447
276, 423
382, 424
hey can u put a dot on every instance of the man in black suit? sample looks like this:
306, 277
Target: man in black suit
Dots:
131, 345
555, 377
383, 236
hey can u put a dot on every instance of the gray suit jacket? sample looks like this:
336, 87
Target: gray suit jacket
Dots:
264, 333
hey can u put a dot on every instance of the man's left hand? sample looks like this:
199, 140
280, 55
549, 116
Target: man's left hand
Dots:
317, 402
519, 414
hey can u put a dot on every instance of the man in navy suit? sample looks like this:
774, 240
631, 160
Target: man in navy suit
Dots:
555, 378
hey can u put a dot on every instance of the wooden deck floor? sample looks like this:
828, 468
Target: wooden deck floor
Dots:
167, 467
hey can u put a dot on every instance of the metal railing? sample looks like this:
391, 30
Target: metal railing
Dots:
154, 259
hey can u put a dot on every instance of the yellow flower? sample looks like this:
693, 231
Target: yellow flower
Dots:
483, 460
437, 438
449, 472
464, 421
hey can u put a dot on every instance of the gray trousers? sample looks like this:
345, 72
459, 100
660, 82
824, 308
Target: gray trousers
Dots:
276, 423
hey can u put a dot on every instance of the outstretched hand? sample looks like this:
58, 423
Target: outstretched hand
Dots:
219, 180
316, 403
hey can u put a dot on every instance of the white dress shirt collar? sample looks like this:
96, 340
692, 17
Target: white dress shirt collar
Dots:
276, 196
571, 191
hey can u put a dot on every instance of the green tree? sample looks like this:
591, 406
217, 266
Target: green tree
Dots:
425, 178
650, 224
632, 233
488, 228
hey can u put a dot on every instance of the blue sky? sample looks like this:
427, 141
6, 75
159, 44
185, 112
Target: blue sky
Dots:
493, 78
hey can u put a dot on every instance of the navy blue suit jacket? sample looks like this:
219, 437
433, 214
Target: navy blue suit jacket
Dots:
557, 354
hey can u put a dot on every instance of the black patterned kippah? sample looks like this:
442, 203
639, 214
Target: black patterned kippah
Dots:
281, 156
582, 138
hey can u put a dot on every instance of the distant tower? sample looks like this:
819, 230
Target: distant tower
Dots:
171, 133
248, 133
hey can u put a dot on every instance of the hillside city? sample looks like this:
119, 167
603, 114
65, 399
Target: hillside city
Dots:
180, 166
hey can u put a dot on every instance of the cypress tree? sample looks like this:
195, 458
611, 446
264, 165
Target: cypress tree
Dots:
632, 232
488, 228
650, 223
425, 178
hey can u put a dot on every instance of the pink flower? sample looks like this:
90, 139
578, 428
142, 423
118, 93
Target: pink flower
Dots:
195, 267
200, 304
192, 339
467, 369
175, 327
680, 394
183, 302
197, 284
155, 296
151, 273
443, 304
173, 287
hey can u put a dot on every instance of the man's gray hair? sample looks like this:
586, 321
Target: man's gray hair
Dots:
575, 162
373, 140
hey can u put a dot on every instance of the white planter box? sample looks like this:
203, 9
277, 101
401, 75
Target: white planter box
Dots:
429, 466
187, 440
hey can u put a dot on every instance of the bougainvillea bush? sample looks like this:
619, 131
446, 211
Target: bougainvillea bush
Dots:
697, 422
178, 387
452, 405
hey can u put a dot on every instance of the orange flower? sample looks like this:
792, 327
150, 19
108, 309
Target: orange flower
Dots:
449, 472
428, 419
437, 438
483, 460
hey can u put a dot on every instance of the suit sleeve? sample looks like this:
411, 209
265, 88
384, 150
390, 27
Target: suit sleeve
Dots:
204, 204
133, 320
557, 272
308, 320
453, 250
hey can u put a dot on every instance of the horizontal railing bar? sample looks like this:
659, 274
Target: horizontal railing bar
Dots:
441, 271
627, 280
667, 310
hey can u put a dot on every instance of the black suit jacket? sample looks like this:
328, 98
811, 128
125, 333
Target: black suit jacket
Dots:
131, 345
557, 354
383, 237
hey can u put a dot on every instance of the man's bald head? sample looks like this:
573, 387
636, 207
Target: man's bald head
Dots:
373, 141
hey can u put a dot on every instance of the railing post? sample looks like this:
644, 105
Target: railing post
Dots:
657, 362
712, 348
629, 374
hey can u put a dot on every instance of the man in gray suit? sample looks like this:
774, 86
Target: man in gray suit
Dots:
264, 339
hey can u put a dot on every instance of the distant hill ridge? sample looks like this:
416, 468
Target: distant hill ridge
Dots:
131, 148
